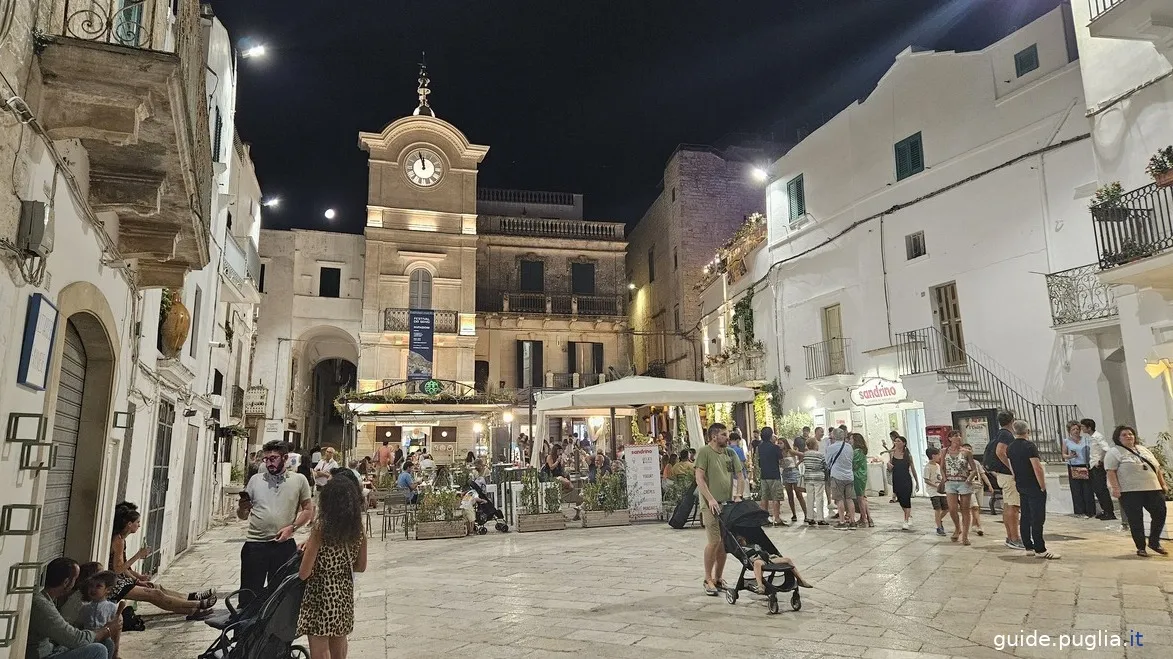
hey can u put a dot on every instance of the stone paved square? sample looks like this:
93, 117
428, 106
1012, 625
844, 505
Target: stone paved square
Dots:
635, 591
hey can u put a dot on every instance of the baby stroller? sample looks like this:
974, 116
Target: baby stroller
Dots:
486, 511
267, 626
745, 519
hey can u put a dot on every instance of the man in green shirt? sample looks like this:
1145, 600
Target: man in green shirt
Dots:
718, 479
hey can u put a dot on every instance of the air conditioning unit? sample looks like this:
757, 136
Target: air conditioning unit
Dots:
35, 232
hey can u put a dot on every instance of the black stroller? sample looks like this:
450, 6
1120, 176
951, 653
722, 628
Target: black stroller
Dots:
486, 512
267, 626
745, 519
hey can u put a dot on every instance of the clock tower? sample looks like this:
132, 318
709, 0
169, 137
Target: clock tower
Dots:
420, 244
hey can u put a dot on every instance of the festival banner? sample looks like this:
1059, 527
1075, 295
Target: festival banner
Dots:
421, 324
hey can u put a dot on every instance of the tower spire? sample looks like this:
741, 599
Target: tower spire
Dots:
424, 81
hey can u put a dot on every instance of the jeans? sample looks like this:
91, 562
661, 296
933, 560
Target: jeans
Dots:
103, 650
1083, 499
1133, 504
1099, 479
1032, 516
816, 500
259, 563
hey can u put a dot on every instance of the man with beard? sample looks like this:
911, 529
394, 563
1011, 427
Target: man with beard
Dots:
718, 480
276, 503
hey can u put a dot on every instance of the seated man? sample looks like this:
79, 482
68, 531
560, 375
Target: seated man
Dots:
49, 633
407, 483
760, 558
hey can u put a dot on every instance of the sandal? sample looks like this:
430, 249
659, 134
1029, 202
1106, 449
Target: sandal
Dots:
955, 537
965, 542
710, 590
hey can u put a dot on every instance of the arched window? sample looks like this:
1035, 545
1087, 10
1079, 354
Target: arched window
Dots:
420, 295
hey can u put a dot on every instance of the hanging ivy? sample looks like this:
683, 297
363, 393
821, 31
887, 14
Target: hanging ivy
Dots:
741, 327
773, 390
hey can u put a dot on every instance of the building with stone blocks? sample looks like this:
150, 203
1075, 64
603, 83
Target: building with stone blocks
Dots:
109, 205
705, 195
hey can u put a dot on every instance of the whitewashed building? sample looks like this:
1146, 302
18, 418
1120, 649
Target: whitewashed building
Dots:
902, 283
94, 232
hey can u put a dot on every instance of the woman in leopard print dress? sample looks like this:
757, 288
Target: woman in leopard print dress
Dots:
336, 549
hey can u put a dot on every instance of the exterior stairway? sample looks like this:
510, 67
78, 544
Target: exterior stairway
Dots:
973, 375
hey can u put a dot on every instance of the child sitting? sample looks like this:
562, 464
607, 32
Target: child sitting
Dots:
97, 610
760, 558
468, 505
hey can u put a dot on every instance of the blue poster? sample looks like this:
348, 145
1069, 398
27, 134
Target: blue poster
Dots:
421, 325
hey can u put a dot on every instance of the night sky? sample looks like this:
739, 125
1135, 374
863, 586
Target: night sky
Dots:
587, 96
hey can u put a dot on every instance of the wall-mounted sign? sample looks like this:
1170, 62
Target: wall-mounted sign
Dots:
40, 329
421, 330
878, 391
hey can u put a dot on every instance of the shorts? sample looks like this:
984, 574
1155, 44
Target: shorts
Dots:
841, 490
939, 502
790, 476
958, 487
712, 527
772, 490
1009, 490
470, 515
976, 500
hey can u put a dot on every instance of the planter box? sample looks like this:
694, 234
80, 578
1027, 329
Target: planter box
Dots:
541, 522
596, 518
437, 530
1164, 180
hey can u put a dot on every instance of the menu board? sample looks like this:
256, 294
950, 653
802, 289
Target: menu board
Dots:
643, 481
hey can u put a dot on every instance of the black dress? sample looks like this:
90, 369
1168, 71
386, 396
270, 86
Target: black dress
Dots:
902, 480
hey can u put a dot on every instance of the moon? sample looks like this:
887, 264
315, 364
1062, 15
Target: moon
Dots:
330, 213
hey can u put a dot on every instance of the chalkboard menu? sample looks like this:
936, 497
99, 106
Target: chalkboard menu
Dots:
643, 481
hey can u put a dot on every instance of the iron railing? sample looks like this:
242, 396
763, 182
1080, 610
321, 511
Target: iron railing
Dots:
1097, 8
538, 227
1137, 225
929, 351
562, 304
1077, 295
560, 380
831, 357
132, 23
739, 369
525, 196
445, 322
591, 379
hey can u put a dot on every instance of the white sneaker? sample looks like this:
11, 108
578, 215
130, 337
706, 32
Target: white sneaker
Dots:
904, 526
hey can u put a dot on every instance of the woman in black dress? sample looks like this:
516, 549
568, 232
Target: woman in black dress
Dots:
903, 477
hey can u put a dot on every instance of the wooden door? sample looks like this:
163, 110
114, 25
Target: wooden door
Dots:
833, 336
947, 313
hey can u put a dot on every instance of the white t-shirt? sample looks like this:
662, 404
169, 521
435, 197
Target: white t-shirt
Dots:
427, 463
325, 466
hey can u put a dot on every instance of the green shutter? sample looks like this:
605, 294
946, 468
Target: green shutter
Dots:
796, 196
910, 157
1026, 60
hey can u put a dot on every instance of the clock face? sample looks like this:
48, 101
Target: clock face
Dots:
424, 167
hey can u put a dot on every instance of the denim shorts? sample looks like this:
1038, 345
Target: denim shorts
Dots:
958, 487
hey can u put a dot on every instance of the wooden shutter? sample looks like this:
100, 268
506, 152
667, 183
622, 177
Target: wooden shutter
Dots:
598, 350
520, 364
916, 156
797, 197
572, 357
539, 373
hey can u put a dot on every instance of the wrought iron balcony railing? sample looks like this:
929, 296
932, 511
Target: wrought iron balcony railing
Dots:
1097, 8
1136, 226
573, 380
563, 304
131, 23
1077, 295
831, 357
445, 322
738, 369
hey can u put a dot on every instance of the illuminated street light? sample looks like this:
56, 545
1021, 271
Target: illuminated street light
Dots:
630, 286
476, 428
760, 175
272, 202
330, 213
507, 417
253, 51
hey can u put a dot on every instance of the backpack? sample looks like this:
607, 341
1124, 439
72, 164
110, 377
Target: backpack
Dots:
990, 458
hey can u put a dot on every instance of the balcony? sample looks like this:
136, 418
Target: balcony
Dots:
1139, 20
568, 381
396, 320
240, 269
537, 227
1079, 300
564, 304
126, 78
739, 370
1134, 235
828, 359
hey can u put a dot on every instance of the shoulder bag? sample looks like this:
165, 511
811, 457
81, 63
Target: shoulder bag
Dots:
827, 467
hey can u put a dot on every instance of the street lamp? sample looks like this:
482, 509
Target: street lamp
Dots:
271, 202
253, 51
760, 174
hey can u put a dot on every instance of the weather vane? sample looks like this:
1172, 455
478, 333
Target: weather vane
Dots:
422, 90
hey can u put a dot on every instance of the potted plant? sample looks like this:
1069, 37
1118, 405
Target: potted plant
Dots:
1106, 205
542, 503
604, 502
1160, 167
439, 515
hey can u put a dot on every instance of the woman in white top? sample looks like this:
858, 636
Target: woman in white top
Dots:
1135, 477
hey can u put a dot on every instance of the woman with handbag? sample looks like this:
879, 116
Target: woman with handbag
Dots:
1077, 451
1135, 477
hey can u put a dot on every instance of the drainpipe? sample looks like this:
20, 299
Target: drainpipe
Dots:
884, 268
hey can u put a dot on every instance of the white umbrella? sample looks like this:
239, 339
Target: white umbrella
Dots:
638, 390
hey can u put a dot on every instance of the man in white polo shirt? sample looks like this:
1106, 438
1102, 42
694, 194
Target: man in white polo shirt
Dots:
276, 503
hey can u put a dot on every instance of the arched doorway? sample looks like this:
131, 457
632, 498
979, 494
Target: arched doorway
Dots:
326, 363
81, 412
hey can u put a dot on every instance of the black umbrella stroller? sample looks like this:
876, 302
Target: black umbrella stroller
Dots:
486, 512
745, 519
267, 626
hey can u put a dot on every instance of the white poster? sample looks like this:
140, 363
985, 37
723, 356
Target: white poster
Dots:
643, 482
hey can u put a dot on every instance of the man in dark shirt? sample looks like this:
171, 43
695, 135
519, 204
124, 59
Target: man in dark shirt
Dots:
1032, 490
997, 461
769, 455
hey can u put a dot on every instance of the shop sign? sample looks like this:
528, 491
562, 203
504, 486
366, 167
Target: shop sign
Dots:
878, 391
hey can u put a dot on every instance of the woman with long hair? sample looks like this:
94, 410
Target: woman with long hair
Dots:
1135, 477
336, 549
859, 472
903, 476
132, 585
958, 468
790, 479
